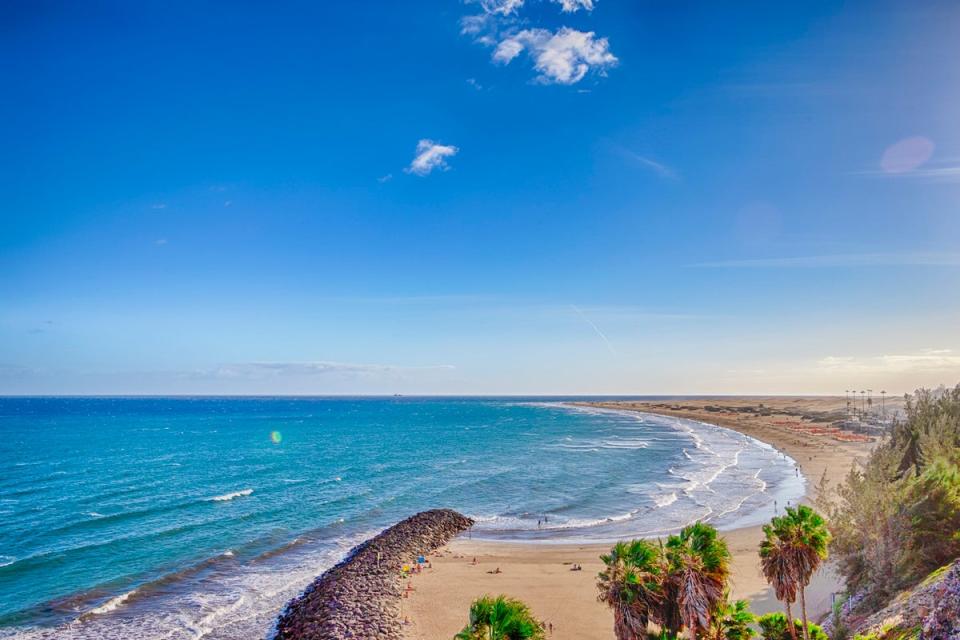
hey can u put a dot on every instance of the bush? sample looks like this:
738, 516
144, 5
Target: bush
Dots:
773, 626
896, 519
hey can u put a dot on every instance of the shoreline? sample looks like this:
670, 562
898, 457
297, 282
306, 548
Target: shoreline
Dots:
541, 575
559, 536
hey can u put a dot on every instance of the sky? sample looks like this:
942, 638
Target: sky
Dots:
479, 197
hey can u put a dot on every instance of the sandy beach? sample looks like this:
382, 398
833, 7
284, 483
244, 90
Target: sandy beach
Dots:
542, 575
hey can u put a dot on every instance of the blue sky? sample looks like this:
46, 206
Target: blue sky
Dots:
539, 196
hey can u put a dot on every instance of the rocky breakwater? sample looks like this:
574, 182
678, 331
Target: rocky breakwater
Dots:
360, 597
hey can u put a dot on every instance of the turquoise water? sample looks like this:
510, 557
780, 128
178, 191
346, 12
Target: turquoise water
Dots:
200, 517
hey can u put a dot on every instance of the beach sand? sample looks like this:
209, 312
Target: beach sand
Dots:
541, 575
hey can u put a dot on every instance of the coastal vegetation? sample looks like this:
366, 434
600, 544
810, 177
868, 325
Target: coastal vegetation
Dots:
677, 584
501, 618
793, 548
774, 626
896, 518
733, 621
680, 584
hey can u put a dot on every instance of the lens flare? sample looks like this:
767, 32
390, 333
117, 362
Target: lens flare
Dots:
907, 155
276, 437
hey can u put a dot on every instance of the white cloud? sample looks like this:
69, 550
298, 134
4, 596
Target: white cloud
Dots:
509, 7
501, 7
474, 25
431, 155
508, 49
562, 57
570, 6
386, 178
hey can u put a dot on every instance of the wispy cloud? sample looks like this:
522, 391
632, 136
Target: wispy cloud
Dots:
927, 360
508, 7
944, 171
912, 159
501, 7
262, 370
596, 329
386, 178
917, 259
664, 171
631, 314
431, 155
561, 57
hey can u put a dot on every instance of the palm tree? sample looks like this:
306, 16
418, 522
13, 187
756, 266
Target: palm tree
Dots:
731, 621
630, 584
806, 540
501, 618
698, 562
775, 563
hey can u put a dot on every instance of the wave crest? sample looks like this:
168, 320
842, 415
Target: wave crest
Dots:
231, 496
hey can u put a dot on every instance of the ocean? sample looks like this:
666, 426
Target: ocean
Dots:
200, 517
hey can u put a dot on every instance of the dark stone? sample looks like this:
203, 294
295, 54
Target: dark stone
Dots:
357, 598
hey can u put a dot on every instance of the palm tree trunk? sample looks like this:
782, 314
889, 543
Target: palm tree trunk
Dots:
790, 625
803, 609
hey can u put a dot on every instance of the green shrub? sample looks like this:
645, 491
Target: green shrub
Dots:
896, 518
773, 626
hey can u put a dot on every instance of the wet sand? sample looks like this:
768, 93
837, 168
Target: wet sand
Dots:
541, 575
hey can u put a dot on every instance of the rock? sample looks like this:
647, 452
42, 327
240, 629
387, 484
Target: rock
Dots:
358, 598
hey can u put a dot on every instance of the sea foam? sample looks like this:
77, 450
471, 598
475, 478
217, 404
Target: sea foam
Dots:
231, 496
